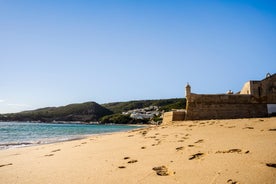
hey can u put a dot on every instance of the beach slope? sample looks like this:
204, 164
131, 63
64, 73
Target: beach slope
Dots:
213, 151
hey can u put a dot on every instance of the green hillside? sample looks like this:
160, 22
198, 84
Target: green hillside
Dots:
84, 112
118, 107
91, 111
164, 104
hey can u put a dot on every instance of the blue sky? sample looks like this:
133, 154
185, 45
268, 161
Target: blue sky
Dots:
56, 52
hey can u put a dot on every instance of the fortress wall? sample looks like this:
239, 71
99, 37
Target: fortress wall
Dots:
224, 98
271, 99
178, 115
269, 89
224, 107
167, 117
173, 116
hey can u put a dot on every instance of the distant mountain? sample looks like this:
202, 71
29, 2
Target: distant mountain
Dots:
84, 112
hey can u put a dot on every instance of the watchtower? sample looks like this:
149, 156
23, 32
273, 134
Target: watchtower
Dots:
188, 90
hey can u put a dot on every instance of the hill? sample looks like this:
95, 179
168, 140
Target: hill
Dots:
127, 118
92, 112
84, 112
164, 104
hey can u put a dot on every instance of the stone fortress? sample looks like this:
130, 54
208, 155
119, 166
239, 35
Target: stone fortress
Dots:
256, 99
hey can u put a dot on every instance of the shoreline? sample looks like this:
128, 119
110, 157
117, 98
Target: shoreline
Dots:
209, 151
63, 138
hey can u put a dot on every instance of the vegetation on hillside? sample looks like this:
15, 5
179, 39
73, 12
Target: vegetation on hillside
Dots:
85, 112
116, 119
92, 112
164, 104
121, 119
118, 107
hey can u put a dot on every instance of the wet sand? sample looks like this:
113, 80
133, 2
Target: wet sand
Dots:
211, 151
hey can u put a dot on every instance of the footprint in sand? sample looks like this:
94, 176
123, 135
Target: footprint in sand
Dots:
55, 150
179, 148
49, 155
232, 151
3, 165
130, 135
126, 158
248, 128
159, 142
271, 165
144, 132
196, 156
143, 147
162, 171
230, 181
199, 141
132, 161
84, 143
231, 127
191, 145
272, 129
122, 167
151, 137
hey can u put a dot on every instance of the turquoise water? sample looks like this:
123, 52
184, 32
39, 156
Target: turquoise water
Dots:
18, 134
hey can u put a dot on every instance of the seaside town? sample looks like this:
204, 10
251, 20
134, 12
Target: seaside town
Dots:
144, 113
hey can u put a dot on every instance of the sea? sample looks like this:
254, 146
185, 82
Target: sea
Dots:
19, 134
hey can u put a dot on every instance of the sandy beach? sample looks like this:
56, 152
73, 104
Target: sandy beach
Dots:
211, 151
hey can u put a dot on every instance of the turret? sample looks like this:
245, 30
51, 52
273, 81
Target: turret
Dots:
188, 89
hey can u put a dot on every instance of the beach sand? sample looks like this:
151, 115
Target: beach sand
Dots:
211, 151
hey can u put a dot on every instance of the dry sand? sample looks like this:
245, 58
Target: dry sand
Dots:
214, 151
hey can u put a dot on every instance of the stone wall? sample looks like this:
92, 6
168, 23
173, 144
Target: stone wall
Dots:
167, 117
224, 106
173, 116
178, 115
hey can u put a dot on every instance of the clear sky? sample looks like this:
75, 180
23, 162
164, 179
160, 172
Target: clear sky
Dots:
57, 52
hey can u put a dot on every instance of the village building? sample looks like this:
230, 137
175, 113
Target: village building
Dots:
256, 99
143, 113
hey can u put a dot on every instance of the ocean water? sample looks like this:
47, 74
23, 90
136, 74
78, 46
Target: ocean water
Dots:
18, 134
